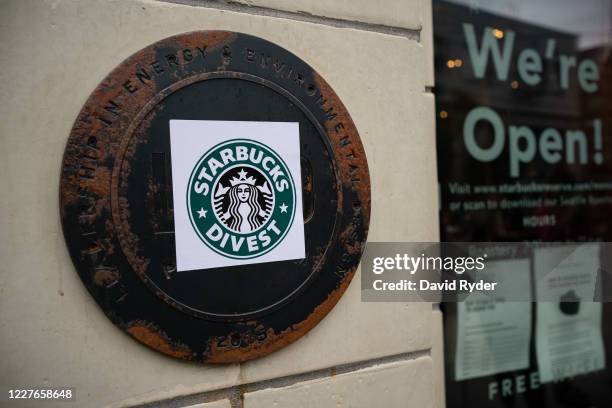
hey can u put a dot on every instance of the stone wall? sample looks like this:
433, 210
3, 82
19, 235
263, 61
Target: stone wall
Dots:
377, 56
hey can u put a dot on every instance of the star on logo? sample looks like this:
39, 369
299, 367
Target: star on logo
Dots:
283, 208
202, 213
242, 173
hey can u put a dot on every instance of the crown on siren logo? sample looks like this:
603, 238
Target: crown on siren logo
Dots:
241, 199
242, 179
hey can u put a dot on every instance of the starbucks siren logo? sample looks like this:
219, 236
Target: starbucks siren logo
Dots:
241, 199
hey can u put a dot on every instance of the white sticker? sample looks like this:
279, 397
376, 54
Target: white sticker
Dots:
237, 193
568, 332
493, 334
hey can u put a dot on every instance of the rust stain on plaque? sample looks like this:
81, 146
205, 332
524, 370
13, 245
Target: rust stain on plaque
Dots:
153, 337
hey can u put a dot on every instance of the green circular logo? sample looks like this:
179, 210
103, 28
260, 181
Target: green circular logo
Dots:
241, 199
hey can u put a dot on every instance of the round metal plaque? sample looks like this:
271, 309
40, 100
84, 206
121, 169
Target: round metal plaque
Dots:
117, 208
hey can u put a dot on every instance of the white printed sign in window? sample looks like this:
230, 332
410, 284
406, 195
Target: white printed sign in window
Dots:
568, 331
492, 333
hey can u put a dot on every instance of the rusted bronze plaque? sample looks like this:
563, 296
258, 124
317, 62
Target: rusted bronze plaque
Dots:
117, 207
